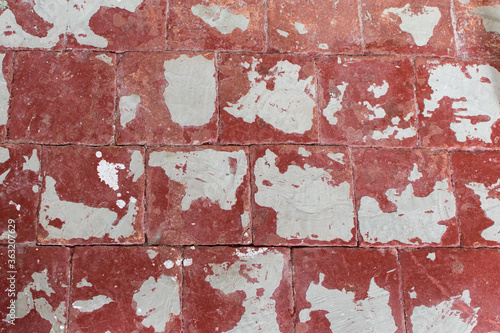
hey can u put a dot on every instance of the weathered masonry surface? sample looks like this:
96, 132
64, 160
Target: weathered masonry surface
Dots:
294, 166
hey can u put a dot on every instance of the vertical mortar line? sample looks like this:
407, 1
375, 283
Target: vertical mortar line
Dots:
401, 289
11, 89
266, 25
316, 98
42, 187
182, 284
167, 18
294, 308
361, 26
453, 189
217, 59
354, 197
415, 100
252, 208
115, 111
454, 26
144, 197
72, 252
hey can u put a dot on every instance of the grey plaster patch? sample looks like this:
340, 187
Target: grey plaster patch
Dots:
221, 18
4, 154
491, 17
32, 163
4, 94
136, 165
128, 108
92, 304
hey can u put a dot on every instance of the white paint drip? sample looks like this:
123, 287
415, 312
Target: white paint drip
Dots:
306, 203
4, 154
4, 93
92, 304
379, 91
490, 16
136, 165
420, 26
128, 108
32, 163
265, 267
335, 104
81, 221
474, 95
71, 17
83, 283
372, 314
108, 173
190, 94
445, 316
158, 300
491, 207
289, 107
206, 174
414, 217
301, 28
221, 18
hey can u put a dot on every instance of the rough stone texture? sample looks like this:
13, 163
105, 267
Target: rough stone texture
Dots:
451, 290
317, 25
477, 187
217, 25
6, 60
58, 97
133, 289
302, 195
149, 112
408, 27
198, 196
477, 28
19, 192
347, 290
42, 286
404, 197
267, 99
367, 101
458, 103
237, 289
92, 195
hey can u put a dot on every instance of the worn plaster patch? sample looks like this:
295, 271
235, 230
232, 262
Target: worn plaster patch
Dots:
128, 108
211, 174
445, 316
490, 16
92, 304
83, 283
71, 17
474, 92
345, 314
4, 154
264, 267
490, 204
221, 18
136, 165
419, 25
106, 58
379, 91
32, 163
4, 94
3, 176
108, 173
289, 107
335, 104
191, 93
306, 203
80, 221
157, 300
415, 217
301, 28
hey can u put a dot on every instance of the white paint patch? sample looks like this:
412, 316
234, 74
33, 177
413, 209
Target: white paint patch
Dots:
190, 94
98, 154
372, 314
304, 152
431, 256
108, 173
335, 104
377, 111
420, 26
221, 18
379, 91
397, 132
414, 217
25, 302
211, 174
289, 107
158, 300
266, 268
81, 221
306, 203
4, 93
491, 207
490, 16
18, 207
83, 283
301, 28
187, 262
32, 163
245, 219
136, 165
120, 203
7, 234
128, 108
337, 157
323, 46
250, 252
178, 262
282, 33
445, 316
4, 154
72, 17
151, 253
474, 96
35, 188
464, 1
106, 58
415, 174
3, 176
168, 264
92, 304
413, 293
